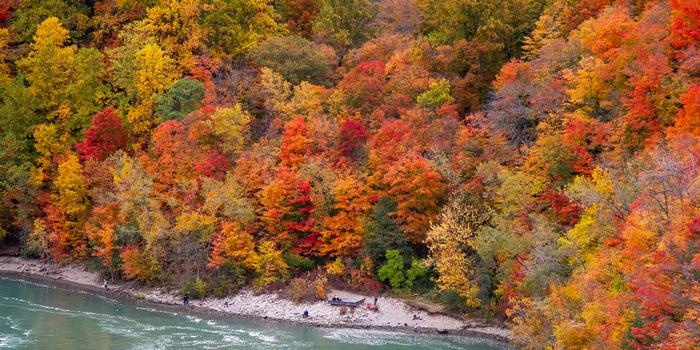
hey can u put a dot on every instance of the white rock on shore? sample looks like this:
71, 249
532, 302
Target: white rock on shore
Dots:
393, 313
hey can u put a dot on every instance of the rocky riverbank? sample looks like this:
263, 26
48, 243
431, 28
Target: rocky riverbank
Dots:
393, 313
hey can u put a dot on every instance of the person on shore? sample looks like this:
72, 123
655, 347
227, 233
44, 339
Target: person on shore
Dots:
104, 283
375, 300
305, 314
186, 300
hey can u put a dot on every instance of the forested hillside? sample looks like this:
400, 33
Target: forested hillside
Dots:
530, 160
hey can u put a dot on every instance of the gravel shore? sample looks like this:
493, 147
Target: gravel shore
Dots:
393, 313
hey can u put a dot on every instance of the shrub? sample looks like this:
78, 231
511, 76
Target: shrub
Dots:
299, 263
196, 288
453, 302
336, 267
297, 288
321, 285
228, 279
303, 289
363, 279
393, 270
37, 241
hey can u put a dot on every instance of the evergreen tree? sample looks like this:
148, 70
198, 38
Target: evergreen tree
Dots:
382, 233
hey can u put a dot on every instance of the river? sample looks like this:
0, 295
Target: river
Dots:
37, 316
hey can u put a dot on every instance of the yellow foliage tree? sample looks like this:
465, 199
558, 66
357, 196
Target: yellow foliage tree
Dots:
68, 211
71, 190
155, 72
270, 266
231, 126
63, 79
47, 143
132, 189
590, 88
451, 249
275, 91
201, 225
336, 267
4, 41
547, 28
226, 199
48, 65
176, 24
307, 99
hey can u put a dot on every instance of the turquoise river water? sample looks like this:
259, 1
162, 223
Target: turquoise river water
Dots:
36, 316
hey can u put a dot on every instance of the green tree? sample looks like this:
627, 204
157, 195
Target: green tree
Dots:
30, 13
344, 23
416, 275
393, 270
502, 22
235, 26
437, 94
296, 58
182, 97
17, 121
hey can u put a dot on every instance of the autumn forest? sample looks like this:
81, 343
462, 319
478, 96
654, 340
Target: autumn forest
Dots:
531, 161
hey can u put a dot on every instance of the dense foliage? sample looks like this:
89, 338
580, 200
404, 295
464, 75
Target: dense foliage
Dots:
534, 160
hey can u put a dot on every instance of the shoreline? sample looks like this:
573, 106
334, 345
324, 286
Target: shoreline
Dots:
260, 307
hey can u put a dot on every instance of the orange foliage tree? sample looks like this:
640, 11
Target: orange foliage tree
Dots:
233, 246
342, 232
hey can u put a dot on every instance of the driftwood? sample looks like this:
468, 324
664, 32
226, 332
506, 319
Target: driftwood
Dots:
346, 303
